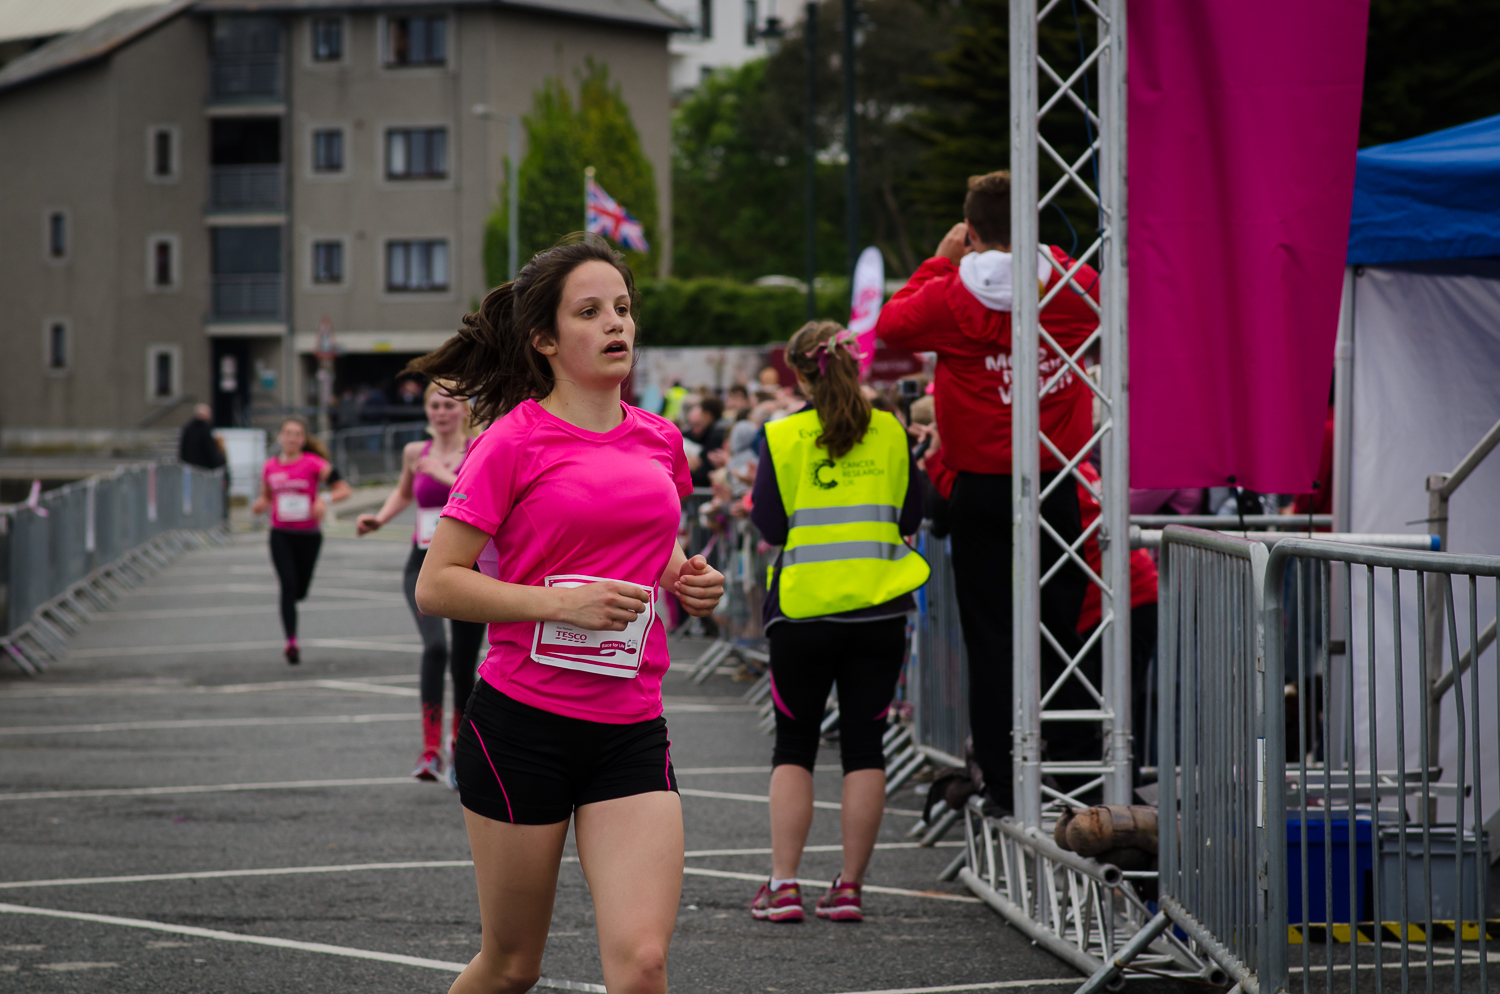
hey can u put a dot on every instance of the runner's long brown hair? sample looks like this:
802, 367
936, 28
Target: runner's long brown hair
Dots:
492, 360
832, 371
310, 442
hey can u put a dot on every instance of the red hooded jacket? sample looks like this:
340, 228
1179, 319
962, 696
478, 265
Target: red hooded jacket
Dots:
935, 312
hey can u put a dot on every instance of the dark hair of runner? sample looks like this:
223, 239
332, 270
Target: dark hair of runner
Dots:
492, 360
832, 371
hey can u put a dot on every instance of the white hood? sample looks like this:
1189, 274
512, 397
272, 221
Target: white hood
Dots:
987, 275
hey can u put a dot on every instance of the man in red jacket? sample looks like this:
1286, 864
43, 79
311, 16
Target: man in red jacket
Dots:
958, 305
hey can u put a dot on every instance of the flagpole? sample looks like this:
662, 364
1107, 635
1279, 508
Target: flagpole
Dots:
588, 174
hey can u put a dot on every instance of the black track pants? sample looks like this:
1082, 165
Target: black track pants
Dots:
468, 636
294, 554
979, 515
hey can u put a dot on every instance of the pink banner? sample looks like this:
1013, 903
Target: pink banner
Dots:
1244, 122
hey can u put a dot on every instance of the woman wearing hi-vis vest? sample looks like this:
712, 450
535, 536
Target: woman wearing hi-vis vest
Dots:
836, 488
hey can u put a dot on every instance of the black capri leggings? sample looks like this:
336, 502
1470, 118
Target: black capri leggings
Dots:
468, 636
294, 554
807, 657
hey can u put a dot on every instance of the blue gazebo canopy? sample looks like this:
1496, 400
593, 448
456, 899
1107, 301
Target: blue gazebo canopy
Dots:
1432, 197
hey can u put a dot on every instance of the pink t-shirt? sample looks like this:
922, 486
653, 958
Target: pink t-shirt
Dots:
568, 506
294, 487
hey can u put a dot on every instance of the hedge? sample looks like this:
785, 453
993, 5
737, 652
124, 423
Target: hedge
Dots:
714, 311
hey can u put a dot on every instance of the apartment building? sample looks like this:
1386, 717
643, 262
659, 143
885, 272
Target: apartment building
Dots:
724, 34
193, 188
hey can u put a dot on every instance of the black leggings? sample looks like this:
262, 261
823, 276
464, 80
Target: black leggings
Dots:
468, 636
807, 658
979, 514
294, 554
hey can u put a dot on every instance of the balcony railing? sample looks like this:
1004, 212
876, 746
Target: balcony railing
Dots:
246, 188
245, 78
247, 297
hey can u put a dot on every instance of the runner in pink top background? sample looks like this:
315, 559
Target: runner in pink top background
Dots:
573, 498
428, 470
289, 491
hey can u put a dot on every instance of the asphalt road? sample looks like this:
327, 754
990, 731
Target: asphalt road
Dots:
180, 811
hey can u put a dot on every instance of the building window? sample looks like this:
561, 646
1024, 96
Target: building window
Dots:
57, 235
163, 372
162, 259
328, 262
416, 266
161, 154
56, 346
705, 19
328, 39
328, 150
752, 19
416, 41
416, 153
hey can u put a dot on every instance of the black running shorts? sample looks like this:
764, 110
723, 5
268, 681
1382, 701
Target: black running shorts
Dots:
523, 765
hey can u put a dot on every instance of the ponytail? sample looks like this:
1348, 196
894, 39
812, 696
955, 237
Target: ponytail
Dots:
823, 354
492, 361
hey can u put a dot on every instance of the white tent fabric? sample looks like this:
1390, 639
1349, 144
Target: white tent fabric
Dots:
1426, 389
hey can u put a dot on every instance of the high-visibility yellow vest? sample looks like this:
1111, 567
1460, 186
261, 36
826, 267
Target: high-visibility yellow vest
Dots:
843, 547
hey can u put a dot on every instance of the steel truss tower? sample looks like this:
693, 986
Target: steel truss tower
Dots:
1083, 912
1036, 90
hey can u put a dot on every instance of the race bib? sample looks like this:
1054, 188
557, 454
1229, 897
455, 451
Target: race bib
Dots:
427, 519
610, 653
293, 507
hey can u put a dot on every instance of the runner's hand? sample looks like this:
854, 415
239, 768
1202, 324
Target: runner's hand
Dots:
603, 606
365, 524
699, 587
318, 509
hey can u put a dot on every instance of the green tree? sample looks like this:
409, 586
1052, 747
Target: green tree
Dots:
740, 149
561, 140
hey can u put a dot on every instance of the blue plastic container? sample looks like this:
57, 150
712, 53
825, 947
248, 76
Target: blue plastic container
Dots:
1318, 849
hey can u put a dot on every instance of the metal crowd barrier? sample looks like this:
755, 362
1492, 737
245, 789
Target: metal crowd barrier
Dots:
372, 454
76, 548
1325, 823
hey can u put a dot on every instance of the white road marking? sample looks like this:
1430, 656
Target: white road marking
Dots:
74, 966
934, 895
159, 614
53, 795
765, 799
766, 769
266, 940
835, 848
259, 588
56, 795
366, 688
687, 708
994, 985
200, 648
157, 726
280, 871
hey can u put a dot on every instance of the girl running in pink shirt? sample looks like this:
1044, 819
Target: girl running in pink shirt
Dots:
428, 471
570, 503
289, 490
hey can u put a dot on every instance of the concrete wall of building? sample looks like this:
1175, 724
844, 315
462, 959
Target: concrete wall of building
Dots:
78, 142
161, 81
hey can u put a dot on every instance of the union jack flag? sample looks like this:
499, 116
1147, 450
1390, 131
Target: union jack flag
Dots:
602, 216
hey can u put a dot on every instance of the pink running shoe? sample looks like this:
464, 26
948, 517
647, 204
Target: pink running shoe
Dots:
841, 903
783, 905
429, 767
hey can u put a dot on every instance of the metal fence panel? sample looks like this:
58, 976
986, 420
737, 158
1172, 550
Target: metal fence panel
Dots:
84, 526
940, 685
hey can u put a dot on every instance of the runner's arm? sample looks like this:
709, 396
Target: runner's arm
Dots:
448, 587
400, 498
